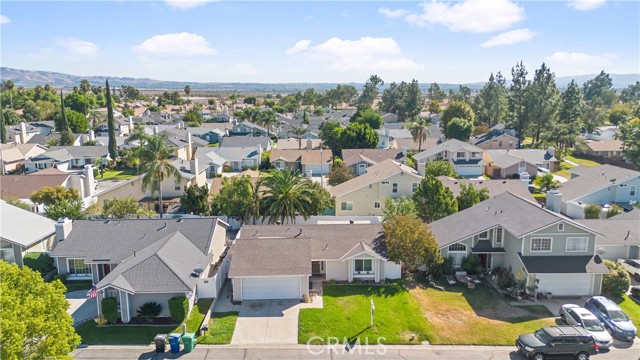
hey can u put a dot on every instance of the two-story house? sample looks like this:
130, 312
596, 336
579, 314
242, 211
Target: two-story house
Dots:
314, 162
496, 138
467, 159
358, 160
506, 163
67, 158
550, 250
247, 128
366, 194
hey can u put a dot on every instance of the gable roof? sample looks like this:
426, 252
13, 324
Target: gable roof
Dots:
22, 186
517, 215
488, 136
230, 153
245, 141
615, 231
532, 156
592, 179
302, 156
375, 173
564, 264
372, 156
23, 227
269, 257
17, 152
251, 125
293, 144
66, 153
604, 145
452, 145
495, 187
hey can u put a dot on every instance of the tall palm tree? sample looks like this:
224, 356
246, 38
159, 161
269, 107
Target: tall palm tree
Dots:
253, 209
95, 116
298, 131
85, 86
9, 85
268, 119
419, 129
155, 156
286, 194
187, 90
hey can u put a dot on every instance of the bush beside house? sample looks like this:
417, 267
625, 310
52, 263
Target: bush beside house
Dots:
179, 308
41, 262
110, 309
616, 283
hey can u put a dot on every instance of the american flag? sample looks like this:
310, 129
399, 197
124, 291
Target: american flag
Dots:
93, 292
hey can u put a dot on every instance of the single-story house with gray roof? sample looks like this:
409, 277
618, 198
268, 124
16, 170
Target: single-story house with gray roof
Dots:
278, 261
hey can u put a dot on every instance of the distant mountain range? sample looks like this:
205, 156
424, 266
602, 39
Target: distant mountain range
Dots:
30, 78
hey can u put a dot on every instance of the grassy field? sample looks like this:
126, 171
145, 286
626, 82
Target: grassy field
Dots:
125, 174
221, 326
477, 316
582, 162
631, 308
398, 317
119, 335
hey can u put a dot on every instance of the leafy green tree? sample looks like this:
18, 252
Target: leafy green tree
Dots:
339, 173
419, 129
298, 131
410, 242
546, 182
614, 210
592, 211
370, 91
543, 102
631, 93
59, 202
251, 100
619, 113
76, 122
617, 281
434, 200
187, 90
30, 112
10, 116
77, 102
439, 168
119, 208
310, 97
457, 109
470, 196
517, 101
402, 206
321, 199
435, 93
234, 197
193, 118
268, 119
85, 86
491, 102
34, 318
330, 132
599, 90
8, 85
366, 115
630, 137
564, 133
459, 129
111, 125
196, 200
358, 136
434, 107
404, 100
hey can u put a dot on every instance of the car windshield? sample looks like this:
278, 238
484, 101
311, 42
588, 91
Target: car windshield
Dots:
592, 325
617, 315
542, 336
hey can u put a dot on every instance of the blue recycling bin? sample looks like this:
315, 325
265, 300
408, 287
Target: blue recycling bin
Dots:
174, 342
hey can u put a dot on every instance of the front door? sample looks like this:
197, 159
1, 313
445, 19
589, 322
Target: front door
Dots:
315, 267
484, 260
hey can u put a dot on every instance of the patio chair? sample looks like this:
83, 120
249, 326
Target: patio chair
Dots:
451, 280
471, 285
462, 277
475, 279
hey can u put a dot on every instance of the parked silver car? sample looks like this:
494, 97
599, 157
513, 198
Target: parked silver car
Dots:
573, 314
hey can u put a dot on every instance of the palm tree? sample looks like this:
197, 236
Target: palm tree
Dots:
268, 119
298, 131
286, 194
253, 209
546, 182
9, 85
155, 156
187, 90
85, 86
419, 129
95, 116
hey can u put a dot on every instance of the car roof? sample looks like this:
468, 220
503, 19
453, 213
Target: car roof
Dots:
584, 313
608, 304
570, 306
566, 331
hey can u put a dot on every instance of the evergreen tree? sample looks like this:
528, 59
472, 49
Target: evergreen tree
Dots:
434, 200
66, 136
3, 129
113, 154
517, 100
460, 129
564, 133
491, 102
543, 102
470, 196
370, 91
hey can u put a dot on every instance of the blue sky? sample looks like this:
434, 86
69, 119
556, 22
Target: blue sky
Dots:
331, 41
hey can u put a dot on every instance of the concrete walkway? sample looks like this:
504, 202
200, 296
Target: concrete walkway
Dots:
81, 307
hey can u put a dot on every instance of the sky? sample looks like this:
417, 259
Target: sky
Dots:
329, 41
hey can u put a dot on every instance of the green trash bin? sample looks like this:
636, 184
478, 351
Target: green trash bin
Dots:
189, 341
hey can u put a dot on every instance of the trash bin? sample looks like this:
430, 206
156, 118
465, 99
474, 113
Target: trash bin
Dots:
161, 343
174, 342
189, 341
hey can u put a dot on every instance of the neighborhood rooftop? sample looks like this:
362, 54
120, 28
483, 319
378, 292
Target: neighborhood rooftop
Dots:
39, 227
591, 179
377, 172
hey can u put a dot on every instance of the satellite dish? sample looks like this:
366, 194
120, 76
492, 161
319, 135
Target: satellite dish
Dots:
601, 251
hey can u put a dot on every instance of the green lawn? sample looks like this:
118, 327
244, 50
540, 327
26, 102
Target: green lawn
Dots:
582, 162
125, 174
477, 316
78, 285
119, 335
221, 326
196, 316
631, 308
398, 317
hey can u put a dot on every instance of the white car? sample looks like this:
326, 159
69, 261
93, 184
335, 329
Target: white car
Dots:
632, 266
573, 314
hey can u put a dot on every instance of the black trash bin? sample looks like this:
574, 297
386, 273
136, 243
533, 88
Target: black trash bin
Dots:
161, 343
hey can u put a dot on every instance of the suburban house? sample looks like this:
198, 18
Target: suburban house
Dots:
246, 141
247, 128
358, 160
603, 133
495, 187
22, 232
466, 159
313, 162
496, 138
23, 132
235, 158
216, 182
67, 158
601, 185
609, 148
620, 237
552, 251
507, 163
12, 155
278, 261
140, 261
54, 139
365, 194
298, 144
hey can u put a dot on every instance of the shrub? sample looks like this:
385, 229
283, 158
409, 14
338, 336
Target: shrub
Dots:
444, 268
110, 309
592, 211
504, 278
617, 281
100, 320
179, 308
40, 262
149, 310
471, 264
226, 168
61, 277
614, 210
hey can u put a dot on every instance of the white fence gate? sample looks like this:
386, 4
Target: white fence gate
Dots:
211, 287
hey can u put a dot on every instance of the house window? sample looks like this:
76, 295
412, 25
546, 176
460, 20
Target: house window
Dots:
483, 235
346, 206
541, 245
414, 187
458, 248
6, 252
77, 267
510, 143
577, 244
561, 227
474, 154
632, 190
499, 236
364, 265
460, 154
394, 188
500, 143
376, 205
385, 183
176, 185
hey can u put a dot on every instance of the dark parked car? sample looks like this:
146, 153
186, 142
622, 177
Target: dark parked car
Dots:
557, 341
612, 317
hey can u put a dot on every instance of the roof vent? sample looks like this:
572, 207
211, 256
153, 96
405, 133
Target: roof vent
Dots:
108, 221
163, 226
180, 220
300, 233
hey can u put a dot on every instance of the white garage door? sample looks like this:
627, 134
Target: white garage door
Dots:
469, 170
269, 288
565, 284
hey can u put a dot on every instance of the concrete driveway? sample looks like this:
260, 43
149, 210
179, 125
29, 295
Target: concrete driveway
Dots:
81, 308
267, 322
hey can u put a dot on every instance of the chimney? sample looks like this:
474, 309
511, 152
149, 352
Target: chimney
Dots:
309, 144
155, 129
193, 167
89, 181
130, 124
23, 133
92, 135
189, 146
63, 228
404, 151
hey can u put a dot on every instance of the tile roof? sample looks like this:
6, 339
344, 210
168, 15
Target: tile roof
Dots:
564, 264
23, 227
495, 187
375, 173
354, 156
449, 145
269, 257
594, 178
22, 186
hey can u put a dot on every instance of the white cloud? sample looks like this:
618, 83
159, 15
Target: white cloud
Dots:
185, 4
244, 69
393, 13
474, 16
179, 45
4, 19
77, 48
573, 63
364, 54
509, 38
585, 5
300, 46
